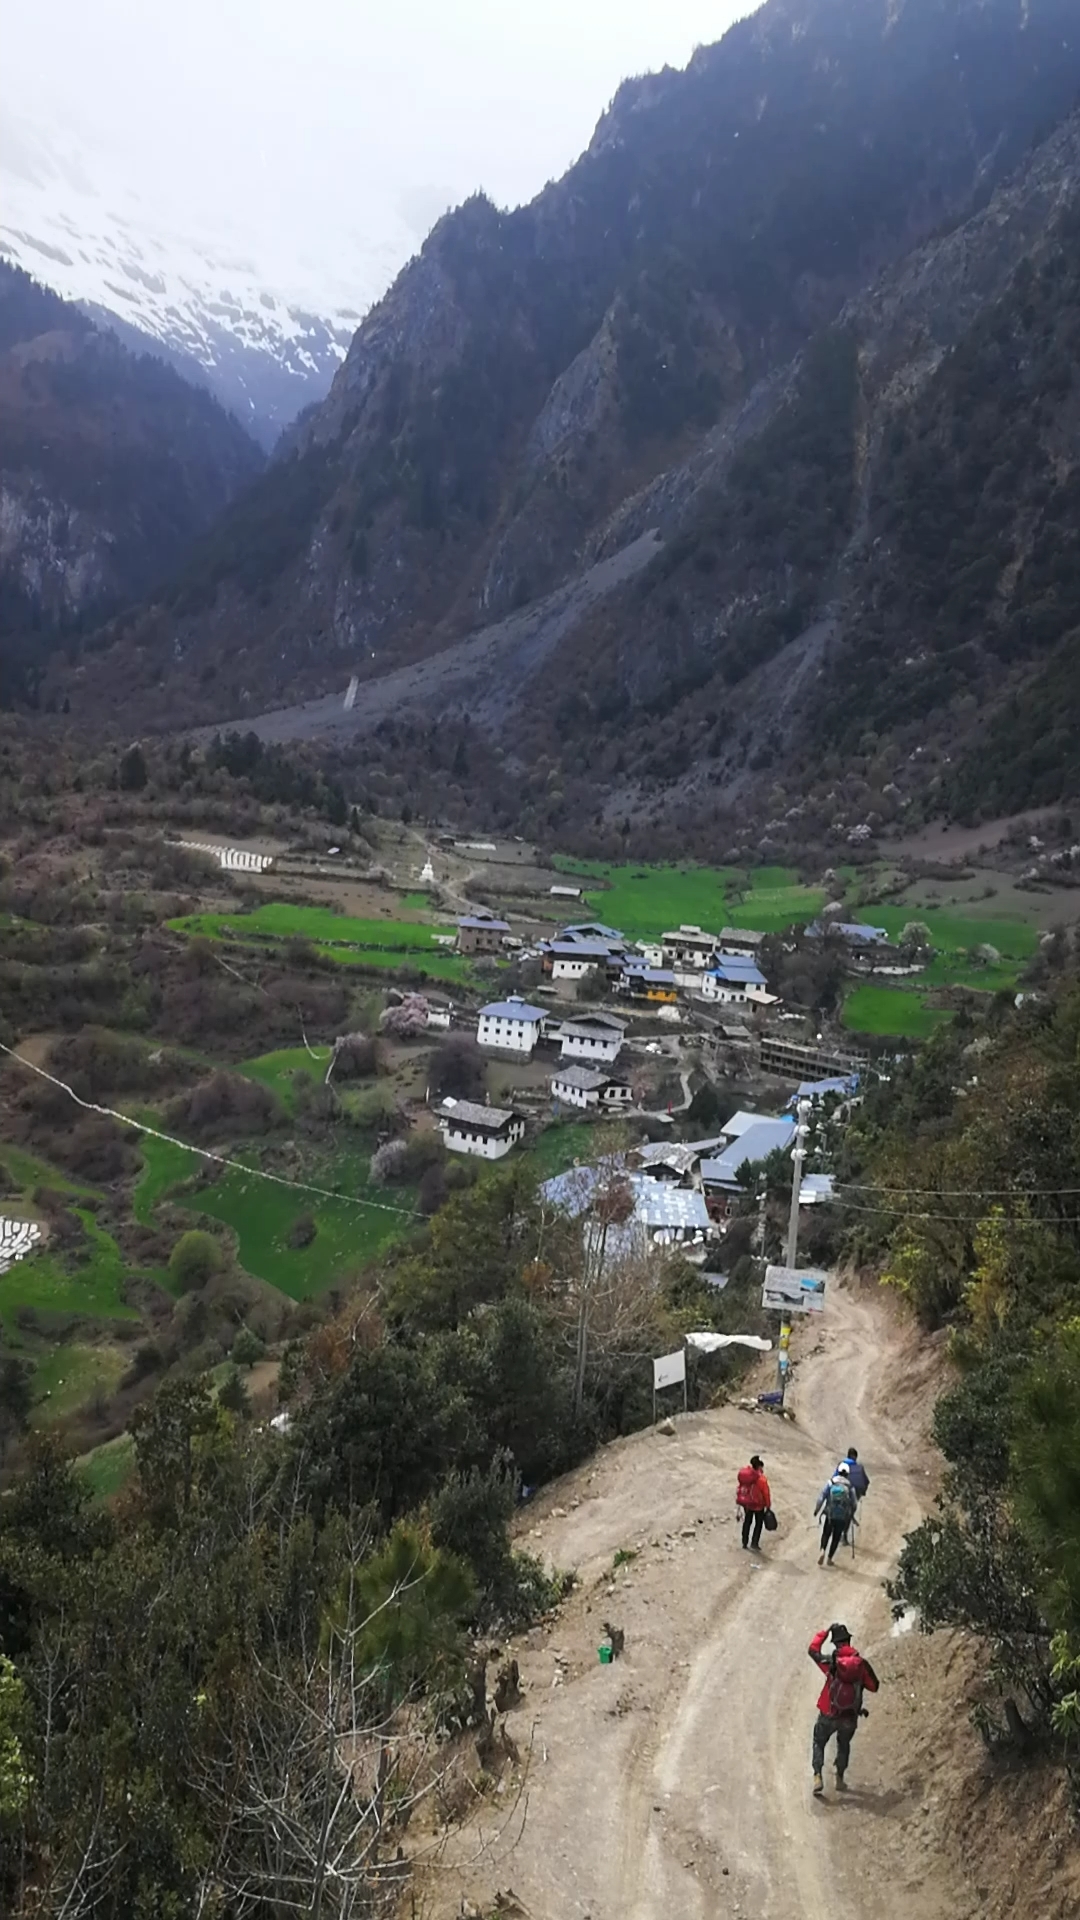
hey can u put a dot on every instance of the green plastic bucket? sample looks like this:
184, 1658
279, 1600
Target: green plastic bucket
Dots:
605, 1656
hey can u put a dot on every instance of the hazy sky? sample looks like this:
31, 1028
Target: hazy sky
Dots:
296, 118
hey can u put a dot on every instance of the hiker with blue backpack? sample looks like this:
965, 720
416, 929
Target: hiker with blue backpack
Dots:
859, 1479
836, 1504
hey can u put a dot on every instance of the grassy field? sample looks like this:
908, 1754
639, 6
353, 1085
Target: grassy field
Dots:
773, 898
645, 902
163, 1166
90, 1287
281, 922
108, 1468
276, 1070
559, 1146
340, 937
954, 930
893, 1011
68, 1377
348, 1234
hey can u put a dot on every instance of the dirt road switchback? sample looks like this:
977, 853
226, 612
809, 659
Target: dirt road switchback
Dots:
675, 1784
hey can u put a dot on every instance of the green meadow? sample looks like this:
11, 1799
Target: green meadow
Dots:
646, 901
339, 937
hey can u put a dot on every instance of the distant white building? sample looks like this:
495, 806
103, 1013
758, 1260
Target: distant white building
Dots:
510, 1026
427, 874
578, 1086
593, 1036
487, 1132
733, 980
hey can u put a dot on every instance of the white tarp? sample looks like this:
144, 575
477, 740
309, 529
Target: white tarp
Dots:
712, 1342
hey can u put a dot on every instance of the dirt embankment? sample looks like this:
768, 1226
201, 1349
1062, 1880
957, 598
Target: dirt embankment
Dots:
675, 1784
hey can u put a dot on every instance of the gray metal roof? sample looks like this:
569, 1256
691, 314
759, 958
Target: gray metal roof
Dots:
471, 1114
743, 936
657, 1205
587, 1078
587, 1022
482, 920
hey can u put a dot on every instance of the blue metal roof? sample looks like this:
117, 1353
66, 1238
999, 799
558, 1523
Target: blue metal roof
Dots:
755, 1144
513, 1010
481, 920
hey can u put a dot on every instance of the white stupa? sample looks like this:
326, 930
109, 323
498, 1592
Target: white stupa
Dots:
427, 874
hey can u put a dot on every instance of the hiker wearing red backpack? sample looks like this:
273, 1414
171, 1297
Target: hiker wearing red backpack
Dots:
840, 1707
753, 1499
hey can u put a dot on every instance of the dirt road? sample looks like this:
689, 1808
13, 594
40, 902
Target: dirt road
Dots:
675, 1784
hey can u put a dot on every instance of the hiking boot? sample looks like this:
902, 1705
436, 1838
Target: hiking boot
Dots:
819, 1786
841, 1783
821, 1558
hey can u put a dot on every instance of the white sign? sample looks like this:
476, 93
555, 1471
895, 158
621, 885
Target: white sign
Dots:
669, 1370
787, 1290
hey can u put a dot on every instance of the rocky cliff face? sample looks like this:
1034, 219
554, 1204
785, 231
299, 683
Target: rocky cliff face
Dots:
109, 467
712, 325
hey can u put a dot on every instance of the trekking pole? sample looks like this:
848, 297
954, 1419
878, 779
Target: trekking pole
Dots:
854, 1524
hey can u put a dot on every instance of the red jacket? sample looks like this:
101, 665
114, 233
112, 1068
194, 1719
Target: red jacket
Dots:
752, 1489
848, 1676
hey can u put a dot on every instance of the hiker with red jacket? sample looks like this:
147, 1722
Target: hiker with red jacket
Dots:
840, 1707
753, 1499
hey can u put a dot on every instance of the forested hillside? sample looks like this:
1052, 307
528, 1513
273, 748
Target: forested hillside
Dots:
964, 1185
110, 465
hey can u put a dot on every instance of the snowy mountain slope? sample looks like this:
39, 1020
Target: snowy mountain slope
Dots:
263, 331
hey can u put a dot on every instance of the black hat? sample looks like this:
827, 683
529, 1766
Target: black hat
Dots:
840, 1635
756, 1461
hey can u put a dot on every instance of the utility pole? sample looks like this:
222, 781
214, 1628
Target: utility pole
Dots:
798, 1155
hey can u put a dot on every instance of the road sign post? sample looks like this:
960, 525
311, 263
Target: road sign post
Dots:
669, 1371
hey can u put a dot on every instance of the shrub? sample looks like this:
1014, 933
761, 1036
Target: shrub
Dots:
194, 1260
388, 1163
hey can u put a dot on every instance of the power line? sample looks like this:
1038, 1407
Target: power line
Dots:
204, 1153
963, 1193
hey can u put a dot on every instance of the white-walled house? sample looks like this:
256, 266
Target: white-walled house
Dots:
578, 1086
510, 1026
731, 980
487, 1132
595, 1037
688, 948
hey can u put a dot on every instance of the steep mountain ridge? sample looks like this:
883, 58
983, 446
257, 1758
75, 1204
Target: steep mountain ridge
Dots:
670, 337
263, 333
110, 465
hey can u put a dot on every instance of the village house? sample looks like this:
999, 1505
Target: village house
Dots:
688, 947
731, 981
487, 1132
565, 893
738, 940
510, 1026
577, 1086
481, 933
752, 1137
662, 1216
656, 984
592, 1036
573, 959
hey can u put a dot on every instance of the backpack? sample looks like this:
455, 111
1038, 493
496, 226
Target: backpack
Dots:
841, 1502
845, 1683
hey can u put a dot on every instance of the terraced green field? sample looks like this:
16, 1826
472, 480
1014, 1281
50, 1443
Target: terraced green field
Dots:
646, 901
68, 1377
342, 938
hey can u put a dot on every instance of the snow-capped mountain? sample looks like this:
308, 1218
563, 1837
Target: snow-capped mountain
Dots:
264, 331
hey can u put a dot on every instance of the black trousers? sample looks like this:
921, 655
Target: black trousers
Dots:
824, 1728
832, 1534
753, 1519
